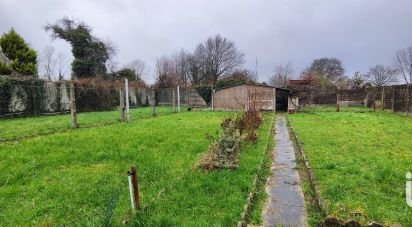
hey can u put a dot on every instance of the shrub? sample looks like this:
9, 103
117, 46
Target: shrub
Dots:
247, 123
24, 58
224, 150
206, 93
5, 69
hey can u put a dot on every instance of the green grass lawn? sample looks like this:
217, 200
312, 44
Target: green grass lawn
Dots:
78, 177
18, 128
360, 160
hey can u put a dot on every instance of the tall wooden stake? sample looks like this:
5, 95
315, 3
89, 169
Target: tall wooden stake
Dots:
173, 100
135, 187
337, 102
393, 98
73, 106
213, 97
178, 99
126, 85
154, 105
383, 98
122, 107
407, 99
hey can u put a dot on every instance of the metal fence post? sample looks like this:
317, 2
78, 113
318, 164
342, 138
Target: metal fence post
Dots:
121, 95
126, 85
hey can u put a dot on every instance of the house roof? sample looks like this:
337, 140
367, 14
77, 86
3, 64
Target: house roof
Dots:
252, 84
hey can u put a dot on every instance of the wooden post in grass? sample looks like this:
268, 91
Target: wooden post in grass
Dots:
337, 102
188, 90
178, 99
126, 89
173, 100
213, 104
383, 98
393, 98
154, 108
154, 104
122, 107
407, 99
135, 186
73, 113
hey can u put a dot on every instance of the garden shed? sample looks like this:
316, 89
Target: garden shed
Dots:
248, 95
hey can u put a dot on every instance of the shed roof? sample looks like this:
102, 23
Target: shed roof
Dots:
252, 84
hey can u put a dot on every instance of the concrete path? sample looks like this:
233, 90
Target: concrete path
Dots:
285, 205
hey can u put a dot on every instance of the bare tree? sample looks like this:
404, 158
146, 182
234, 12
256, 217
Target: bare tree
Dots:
49, 61
166, 76
182, 65
403, 62
241, 75
140, 68
217, 56
54, 63
281, 75
196, 71
112, 65
63, 66
381, 75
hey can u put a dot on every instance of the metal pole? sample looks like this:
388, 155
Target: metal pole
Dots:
129, 177
178, 99
126, 84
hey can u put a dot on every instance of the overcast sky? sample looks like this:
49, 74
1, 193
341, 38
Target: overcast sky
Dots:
359, 32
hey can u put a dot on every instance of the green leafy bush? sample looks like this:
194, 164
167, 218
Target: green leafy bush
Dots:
5, 69
24, 59
205, 92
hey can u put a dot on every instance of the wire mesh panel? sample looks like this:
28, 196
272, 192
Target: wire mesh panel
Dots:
33, 107
97, 103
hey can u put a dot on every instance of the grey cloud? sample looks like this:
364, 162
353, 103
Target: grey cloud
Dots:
360, 33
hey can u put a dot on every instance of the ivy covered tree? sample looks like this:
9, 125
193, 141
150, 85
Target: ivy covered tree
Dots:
23, 58
90, 53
